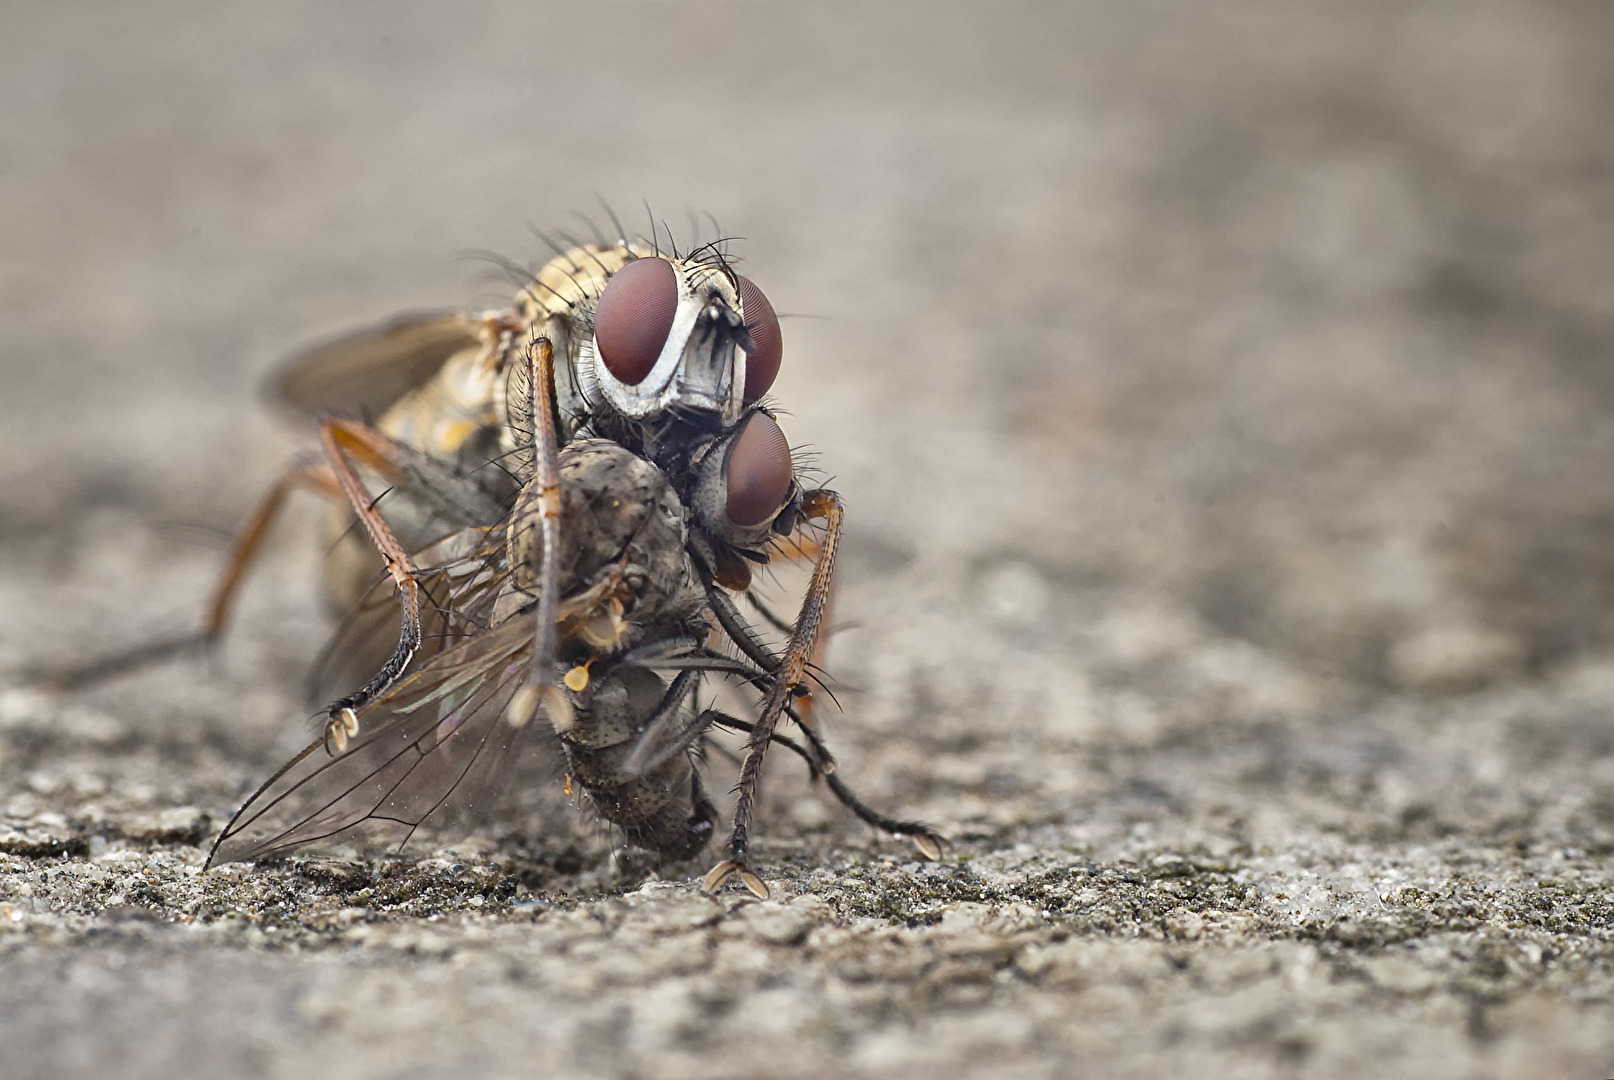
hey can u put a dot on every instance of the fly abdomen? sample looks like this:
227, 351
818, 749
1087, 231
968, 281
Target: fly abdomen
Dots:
664, 809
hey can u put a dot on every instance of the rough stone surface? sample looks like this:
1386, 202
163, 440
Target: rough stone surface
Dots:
1222, 398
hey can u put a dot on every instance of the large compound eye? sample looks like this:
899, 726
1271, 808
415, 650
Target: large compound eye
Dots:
762, 365
759, 471
634, 316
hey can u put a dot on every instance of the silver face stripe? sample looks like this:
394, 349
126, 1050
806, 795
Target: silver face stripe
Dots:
681, 376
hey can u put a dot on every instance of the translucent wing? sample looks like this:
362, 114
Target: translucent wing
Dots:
439, 741
429, 751
362, 374
366, 636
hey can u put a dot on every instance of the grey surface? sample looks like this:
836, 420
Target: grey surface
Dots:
1222, 396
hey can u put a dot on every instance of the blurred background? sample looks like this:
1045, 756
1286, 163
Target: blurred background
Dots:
1295, 318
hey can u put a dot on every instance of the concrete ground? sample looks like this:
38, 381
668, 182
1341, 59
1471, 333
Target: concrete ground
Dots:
1222, 396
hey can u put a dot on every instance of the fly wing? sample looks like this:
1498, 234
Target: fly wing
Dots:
432, 749
362, 374
459, 577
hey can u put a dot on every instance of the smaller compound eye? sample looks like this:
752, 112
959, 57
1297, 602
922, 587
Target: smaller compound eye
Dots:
762, 364
759, 472
634, 316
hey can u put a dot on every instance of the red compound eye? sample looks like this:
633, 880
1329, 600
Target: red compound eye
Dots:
759, 472
762, 365
634, 316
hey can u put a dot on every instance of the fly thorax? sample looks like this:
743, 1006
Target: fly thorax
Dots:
617, 512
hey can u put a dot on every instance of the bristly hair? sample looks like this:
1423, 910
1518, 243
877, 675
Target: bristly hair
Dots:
578, 245
654, 240
804, 461
599, 237
713, 254
504, 268
560, 253
525, 278
672, 241
621, 233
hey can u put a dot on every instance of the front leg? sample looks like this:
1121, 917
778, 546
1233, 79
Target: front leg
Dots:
825, 505
540, 688
342, 441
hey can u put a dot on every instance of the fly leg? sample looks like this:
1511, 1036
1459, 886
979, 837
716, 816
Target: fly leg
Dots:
788, 549
746, 640
923, 836
827, 506
794, 548
312, 475
540, 687
334, 478
344, 441
650, 754
424, 480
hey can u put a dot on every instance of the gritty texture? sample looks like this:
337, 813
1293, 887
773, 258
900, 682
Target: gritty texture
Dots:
1221, 397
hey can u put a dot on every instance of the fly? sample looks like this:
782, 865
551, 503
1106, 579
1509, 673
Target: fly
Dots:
452, 733
665, 357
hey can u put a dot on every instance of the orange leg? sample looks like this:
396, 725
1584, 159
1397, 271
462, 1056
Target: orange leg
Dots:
794, 548
333, 478
315, 476
370, 446
342, 439
745, 639
540, 686
827, 506
345, 442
